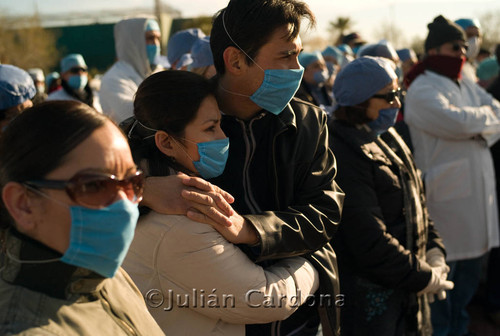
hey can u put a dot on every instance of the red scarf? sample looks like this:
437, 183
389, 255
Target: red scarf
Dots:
447, 66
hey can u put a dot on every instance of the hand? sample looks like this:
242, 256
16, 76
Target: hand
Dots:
438, 282
163, 195
435, 258
209, 201
240, 232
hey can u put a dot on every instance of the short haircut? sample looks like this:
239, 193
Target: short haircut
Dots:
251, 24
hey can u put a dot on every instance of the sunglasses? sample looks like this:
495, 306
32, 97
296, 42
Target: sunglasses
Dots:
95, 190
389, 97
458, 46
77, 70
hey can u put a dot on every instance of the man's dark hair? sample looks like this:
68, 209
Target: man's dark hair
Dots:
251, 24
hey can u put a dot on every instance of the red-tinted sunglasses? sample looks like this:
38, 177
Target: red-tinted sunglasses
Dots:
95, 190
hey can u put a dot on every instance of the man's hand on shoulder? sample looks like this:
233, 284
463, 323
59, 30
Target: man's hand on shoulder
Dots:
175, 194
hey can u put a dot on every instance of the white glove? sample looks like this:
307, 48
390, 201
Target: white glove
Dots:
437, 283
435, 258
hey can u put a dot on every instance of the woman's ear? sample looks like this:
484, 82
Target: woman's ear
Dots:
165, 143
19, 204
234, 60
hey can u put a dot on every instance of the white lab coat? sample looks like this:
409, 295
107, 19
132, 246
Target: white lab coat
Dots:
120, 82
447, 125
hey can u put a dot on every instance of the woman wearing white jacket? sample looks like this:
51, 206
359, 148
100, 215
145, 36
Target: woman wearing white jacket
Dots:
195, 281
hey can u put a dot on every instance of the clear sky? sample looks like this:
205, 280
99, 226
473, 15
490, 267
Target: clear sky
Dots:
411, 16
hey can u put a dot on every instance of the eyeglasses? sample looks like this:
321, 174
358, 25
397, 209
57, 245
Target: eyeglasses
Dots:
77, 70
96, 190
390, 97
459, 46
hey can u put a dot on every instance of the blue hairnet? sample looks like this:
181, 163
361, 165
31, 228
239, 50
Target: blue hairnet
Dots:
152, 24
488, 68
345, 49
185, 60
72, 61
466, 23
181, 42
335, 52
51, 77
361, 79
16, 86
381, 49
307, 58
405, 54
201, 53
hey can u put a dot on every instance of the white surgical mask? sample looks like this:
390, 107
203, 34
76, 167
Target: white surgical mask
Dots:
474, 46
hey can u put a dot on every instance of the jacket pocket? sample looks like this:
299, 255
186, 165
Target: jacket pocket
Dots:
449, 181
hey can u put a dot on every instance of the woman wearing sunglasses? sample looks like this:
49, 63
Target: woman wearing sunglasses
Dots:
388, 251
70, 191
195, 281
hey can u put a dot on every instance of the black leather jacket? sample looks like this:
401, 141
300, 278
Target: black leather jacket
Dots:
283, 168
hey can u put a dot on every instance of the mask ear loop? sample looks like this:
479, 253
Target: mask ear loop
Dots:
137, 122
189, 156
243, 51
15, 259
220, 85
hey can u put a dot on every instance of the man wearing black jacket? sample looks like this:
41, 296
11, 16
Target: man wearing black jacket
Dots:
280, 168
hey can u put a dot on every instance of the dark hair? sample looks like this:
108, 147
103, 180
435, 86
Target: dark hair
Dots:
168, 100
251, 24
353, 115
38, 140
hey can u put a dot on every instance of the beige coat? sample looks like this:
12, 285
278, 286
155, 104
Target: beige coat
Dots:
59, 299
197, 283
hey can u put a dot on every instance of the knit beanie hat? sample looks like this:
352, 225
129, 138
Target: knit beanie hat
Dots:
442, 30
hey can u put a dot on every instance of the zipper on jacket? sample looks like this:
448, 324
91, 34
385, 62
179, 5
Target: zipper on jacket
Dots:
249, 153
118, 320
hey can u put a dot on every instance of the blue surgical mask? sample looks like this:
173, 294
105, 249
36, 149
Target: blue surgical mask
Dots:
278, 87
153, 51
213, 154
77, 82
100, 238
386, 119
213, 157
320, 77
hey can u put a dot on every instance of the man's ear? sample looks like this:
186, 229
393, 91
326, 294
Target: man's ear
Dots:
165, 143
234, 60
19, 204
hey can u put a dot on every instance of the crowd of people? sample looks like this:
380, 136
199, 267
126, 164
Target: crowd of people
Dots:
242, 186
